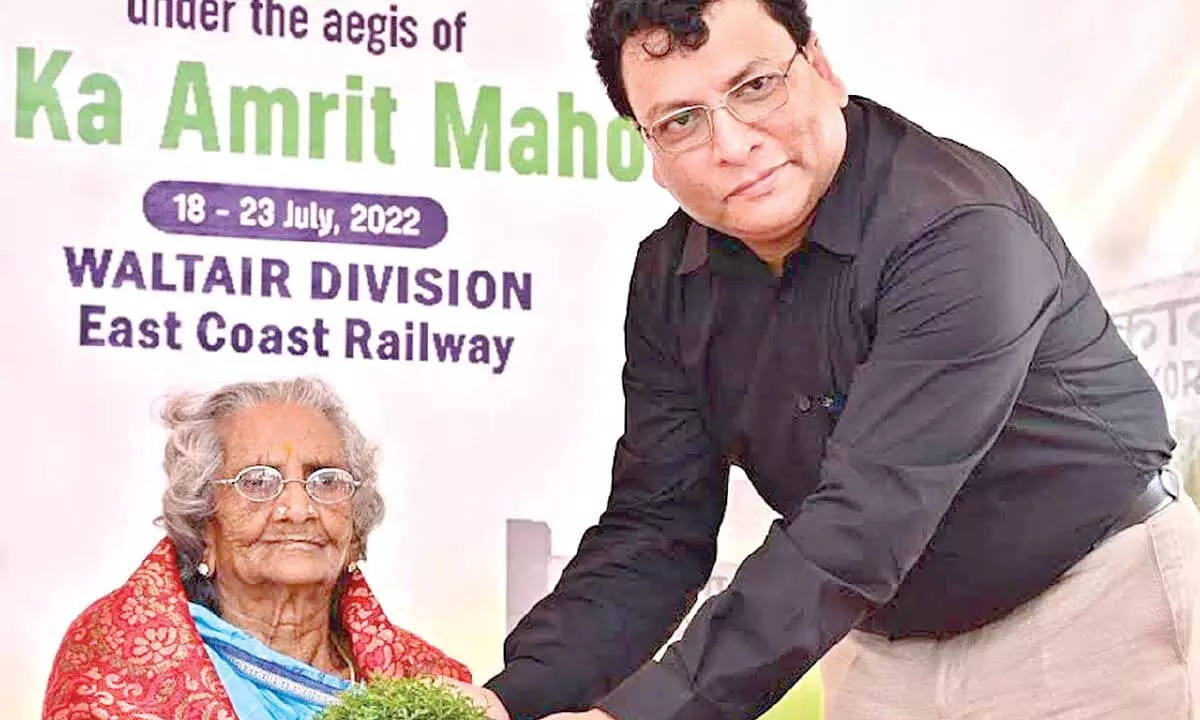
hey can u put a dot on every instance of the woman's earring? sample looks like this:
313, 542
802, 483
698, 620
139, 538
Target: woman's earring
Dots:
203, 568
352, 566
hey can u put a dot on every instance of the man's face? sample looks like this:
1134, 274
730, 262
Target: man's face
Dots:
759, 181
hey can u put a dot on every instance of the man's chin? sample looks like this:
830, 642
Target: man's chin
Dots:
766, 224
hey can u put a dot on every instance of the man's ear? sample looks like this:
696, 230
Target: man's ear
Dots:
824, 69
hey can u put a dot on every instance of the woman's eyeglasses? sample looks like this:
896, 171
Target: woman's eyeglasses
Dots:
261, 483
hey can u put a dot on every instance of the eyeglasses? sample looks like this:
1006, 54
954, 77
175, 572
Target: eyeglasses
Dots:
261, 483
749, 101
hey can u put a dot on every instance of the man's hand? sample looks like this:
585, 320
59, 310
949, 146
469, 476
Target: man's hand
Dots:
589, 715
482, 697
495, 709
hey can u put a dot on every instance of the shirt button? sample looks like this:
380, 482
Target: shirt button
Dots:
804, 404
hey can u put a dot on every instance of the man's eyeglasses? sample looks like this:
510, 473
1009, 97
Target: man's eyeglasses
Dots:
261, 483
749, 101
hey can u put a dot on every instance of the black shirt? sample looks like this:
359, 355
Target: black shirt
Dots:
931, 396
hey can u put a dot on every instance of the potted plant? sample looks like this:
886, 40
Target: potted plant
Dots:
402, 699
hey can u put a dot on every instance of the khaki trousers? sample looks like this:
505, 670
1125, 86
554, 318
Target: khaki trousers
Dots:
1118, 636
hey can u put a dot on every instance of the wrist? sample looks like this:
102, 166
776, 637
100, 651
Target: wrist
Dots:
495, 706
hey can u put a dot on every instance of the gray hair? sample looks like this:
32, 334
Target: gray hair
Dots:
194, 456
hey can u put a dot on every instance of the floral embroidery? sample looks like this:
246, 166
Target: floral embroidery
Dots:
156, 645
135, 654
134, 613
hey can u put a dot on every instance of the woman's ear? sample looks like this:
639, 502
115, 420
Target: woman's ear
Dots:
207, 554
356, 555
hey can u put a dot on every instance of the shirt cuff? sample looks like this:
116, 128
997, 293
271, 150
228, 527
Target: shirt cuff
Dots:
657, 692
523, 689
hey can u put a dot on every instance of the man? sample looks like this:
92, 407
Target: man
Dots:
886, 331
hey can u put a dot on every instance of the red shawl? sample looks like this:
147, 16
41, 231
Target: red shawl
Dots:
135, 654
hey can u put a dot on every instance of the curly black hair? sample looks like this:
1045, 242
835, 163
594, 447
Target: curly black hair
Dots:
613, 21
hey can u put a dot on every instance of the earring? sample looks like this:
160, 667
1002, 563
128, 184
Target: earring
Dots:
203, 568
352, 567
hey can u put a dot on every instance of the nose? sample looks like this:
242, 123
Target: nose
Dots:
732, 139
293, 504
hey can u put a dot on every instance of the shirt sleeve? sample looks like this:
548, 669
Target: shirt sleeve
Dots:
638, 571
960, 312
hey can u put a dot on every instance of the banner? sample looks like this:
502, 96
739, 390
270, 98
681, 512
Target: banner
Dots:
408, 200
433, 207
1160, 320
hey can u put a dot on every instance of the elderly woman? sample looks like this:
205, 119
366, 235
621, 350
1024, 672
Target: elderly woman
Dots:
253, 606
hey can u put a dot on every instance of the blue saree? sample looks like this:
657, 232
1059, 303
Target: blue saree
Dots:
263, 684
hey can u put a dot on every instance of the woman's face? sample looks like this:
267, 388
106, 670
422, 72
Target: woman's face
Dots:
291, 540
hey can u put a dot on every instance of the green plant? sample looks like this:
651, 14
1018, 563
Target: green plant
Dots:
402, 699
